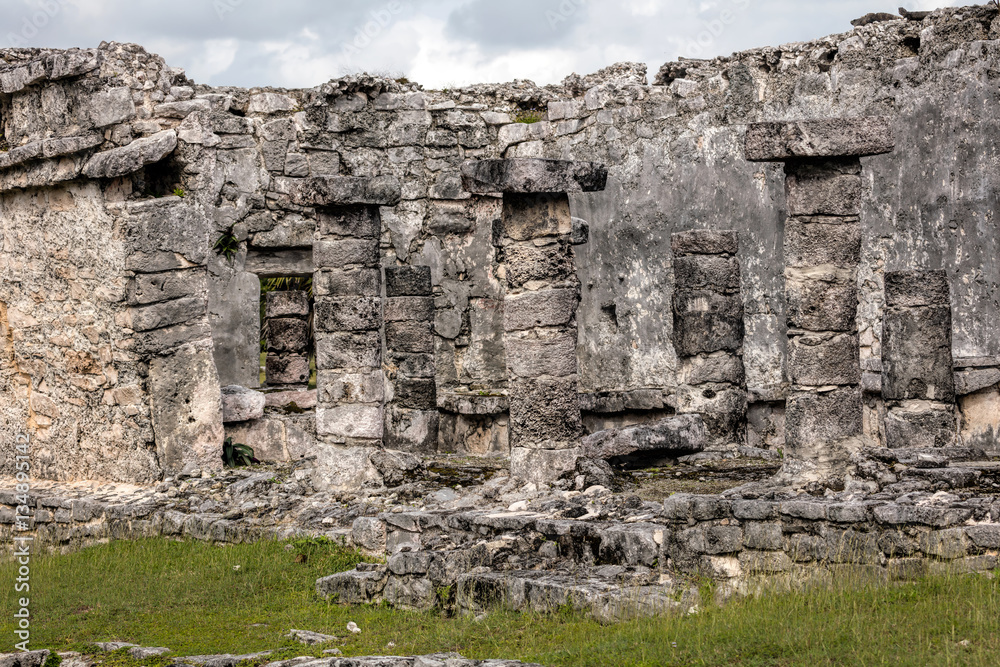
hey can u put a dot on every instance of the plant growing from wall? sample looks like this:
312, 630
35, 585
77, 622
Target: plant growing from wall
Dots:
529, 116
228, 245
237, 455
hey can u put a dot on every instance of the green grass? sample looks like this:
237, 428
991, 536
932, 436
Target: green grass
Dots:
189, 597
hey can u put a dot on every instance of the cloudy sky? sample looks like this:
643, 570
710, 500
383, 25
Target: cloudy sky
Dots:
438, 43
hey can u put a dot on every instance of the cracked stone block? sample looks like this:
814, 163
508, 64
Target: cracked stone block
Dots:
350, 421
287, 369
831, 137
363, 222
826, 417
286, 304
682, 433
408, 281
824, 359
917, 354
411, 430
706, 322
544, 308
347, 282
347, 190
415, 393
532, 175
911, 289
337, 387
339, 253
825, 188
401, 308
129, 159
920, 426
706, 272
348, 350
526, 263
287, 334
705, 242
544, 413
719, 367
409, 336
542, 466
240, 404
542, 353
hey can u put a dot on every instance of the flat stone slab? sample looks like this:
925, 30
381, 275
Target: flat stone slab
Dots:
681, 433
240, 404
533, 175
830, 137
347, 190
133, 157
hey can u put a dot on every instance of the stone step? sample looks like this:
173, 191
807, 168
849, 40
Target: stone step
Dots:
939, 457
955, 478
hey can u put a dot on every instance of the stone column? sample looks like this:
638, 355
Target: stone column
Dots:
824, 417
411, 419
542, 294
918, 380
287, 317
708, 333
347, 287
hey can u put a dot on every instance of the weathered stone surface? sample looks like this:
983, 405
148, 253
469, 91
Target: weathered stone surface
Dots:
354, 282
347, 190
408, 281
544, 308
719, 274
525, 263
822, 241
287, 334
543, 353
240, 404
409, 336
340, 253
820, 360
338, 387
348, 350
187, 410
293, 303
916, 354
834, 137
910, 289
350, 421
535, 216
821, 305
416, 394
705, 242
400, 308
145, 289
920, 426
287, 369
824, 188
159, 315
362, 222
706, 322
129, 159
970, 381
530, 175
542, 466
684, 433
712, 368
544, 413
356, 313
823, 417
25, 659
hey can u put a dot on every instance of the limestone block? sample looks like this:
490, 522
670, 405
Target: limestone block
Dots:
266, 437
240, 404
346, 191
705, 242
352, 313
541, 466
408, 281
303, 398
166, 227
414, 365
400, 308
128, 159
544, 308
833, 137
161, 341
971, 380
344, 469
186, 410
268, 263
339, 253
916, 354
526, 263
824, 359
823, 417
181, 109
820, 305
287, 334
411, 430
336, 387
350, 421
822, 241
707, 322
920, 426
532, 216
363, 222
353, 282
286, 304
544, 413
415, 393
287, 369
826, 188
111, 106
909, 289
159, 315
542, 353
348, 350
409, 336
145, 289
717, 367
698, 272
531, 175
681, 433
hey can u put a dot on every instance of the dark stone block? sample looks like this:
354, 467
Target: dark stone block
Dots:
418, 394
817, 305
353, 282
525, 263
340, 253
719, 274
681, 433
287, 369
544, 414
821, 360
705, 242
347, 190
408, 430
706, 322
348, 350
409, 336
354, 221
544, 308
353, 313
401, 308
826, 188
927, 427
831, 137
528, 216
287, 334
813, 418
917, 288
916, 354
822, 241
715, 368
531, 175
286, 304
408, 281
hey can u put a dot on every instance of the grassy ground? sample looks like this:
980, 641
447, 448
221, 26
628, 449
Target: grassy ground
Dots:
197, 598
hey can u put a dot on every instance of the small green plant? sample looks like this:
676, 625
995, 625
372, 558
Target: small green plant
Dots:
53, 660
529, 116
228, 245
179, 192
237, 455
4, 145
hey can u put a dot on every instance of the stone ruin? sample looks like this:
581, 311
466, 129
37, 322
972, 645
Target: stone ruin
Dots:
789, 253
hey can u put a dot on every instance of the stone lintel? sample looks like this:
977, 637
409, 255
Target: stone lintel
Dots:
829, 137
347, 190
533, 176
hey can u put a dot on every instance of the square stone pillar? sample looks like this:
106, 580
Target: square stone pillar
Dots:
824, 416
287, 318
708, 333
347, 287
542, 293
918, 380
